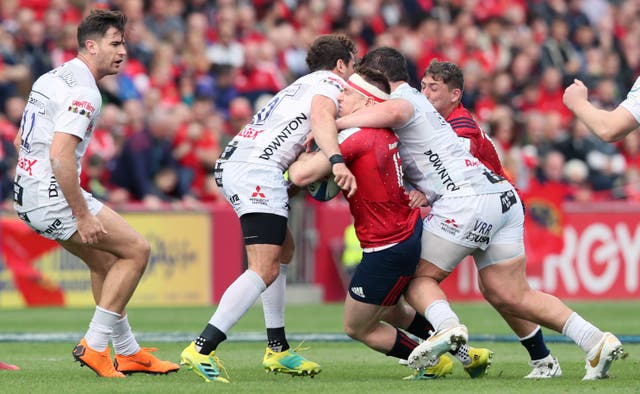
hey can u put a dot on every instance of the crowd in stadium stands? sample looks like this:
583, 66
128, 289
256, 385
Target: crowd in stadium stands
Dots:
197, 69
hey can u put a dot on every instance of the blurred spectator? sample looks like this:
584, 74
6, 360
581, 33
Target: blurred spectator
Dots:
196, 146
146, 167
550, 176
240, 113
35, 50
558, 52
259, 74
605, 164
576, 173
226, 49
162, 18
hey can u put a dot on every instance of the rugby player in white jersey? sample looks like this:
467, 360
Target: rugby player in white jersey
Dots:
474, 212
250, 173
443, 84
59, 118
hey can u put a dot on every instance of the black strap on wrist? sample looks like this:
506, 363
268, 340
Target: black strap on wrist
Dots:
335, 159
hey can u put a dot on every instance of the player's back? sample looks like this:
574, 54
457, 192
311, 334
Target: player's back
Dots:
276, 133
380, 206
435, 161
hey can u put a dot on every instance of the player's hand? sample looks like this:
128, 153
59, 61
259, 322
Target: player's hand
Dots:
416, 199
90, 229
574, 93
308, 143
344, 178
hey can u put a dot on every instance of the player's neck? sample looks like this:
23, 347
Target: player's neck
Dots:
84, 58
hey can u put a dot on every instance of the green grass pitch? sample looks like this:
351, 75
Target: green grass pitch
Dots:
348, 367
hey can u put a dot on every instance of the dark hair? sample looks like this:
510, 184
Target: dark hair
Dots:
96, 24
389, 61
447, 72
374, 77
327, 49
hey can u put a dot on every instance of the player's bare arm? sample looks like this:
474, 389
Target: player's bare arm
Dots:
64, 166
309, 168
610, 126
323, 128
17, 142
392, 113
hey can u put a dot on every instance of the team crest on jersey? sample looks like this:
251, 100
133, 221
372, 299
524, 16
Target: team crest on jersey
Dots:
82, 108
334, 82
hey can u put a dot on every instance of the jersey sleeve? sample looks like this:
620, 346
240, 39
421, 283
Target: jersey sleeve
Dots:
330, 87
632, 102
76, 112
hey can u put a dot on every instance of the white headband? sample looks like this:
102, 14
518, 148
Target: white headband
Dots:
364, 87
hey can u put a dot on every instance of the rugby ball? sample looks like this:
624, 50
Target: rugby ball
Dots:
324, 189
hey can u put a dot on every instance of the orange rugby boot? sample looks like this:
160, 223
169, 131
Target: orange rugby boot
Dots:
144, 361
99, 362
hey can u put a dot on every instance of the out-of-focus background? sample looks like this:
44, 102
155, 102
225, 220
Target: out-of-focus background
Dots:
198, 69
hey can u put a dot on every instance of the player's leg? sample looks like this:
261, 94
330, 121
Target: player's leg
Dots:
443, 247
544, 364
116, 262
502, 272
263, 234
279, 356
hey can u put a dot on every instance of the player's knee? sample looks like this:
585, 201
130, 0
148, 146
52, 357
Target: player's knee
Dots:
504, 300
352, 331
286, 254
141, 252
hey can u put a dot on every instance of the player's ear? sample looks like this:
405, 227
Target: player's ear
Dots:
456, 95
91, 46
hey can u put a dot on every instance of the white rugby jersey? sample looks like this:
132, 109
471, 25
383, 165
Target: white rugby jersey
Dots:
65, 100
276, 133
434, 159
632, 102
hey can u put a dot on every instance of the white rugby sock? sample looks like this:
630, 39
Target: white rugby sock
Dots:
441, 316
583, 333
273, 299
124, 343
100, 328
237, 300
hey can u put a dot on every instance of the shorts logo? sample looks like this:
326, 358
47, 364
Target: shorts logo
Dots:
258, 193
358, 291
258, 197
480, 232
18, 191
450, 226
234, 199
54, 228
24, 217
507, 199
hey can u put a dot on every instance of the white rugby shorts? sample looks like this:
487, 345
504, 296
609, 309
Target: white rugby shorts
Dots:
57, 221
490, 227
253, 188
